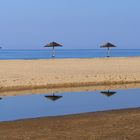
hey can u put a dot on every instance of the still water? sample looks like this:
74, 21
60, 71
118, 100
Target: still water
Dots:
42, 105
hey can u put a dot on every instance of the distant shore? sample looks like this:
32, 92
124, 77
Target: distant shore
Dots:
18, 75
106, 125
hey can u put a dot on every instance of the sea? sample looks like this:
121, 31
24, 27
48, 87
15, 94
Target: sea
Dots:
69, 53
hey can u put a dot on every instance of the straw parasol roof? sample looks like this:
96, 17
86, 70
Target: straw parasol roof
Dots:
108, 45
53, 44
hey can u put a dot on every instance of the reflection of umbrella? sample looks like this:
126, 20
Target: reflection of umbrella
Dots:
0, 98
108, 93
108, 45
53, 44
53, 97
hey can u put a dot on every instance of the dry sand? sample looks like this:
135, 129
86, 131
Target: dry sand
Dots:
110, 125
58, 73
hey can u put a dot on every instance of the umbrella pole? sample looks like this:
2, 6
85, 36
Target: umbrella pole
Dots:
108, 52
53, 53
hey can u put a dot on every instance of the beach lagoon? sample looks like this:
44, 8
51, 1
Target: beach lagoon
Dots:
57, 104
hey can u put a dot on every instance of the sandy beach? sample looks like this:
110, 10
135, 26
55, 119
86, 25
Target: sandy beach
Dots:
60, 73
41, 76
109, 125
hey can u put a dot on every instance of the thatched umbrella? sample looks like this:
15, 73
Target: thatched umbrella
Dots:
108, 46
53, 45
53, 97
108, 93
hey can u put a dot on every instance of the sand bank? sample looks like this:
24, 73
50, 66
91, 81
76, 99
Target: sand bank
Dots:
110, 125
60, 73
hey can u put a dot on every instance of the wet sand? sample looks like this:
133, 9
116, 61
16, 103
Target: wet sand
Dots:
70, 89
18, 75
109, 125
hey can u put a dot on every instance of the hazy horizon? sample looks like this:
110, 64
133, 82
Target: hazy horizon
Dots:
77, 24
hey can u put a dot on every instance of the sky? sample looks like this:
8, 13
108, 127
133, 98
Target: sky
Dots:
77, 24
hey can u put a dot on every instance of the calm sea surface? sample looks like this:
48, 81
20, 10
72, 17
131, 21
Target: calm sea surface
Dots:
60, 53
42, 105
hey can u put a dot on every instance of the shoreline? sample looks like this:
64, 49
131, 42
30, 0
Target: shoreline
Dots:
18, 92
74, 115
17, 75
67, 85
114, 124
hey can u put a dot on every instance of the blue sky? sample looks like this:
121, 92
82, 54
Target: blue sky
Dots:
30, 24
